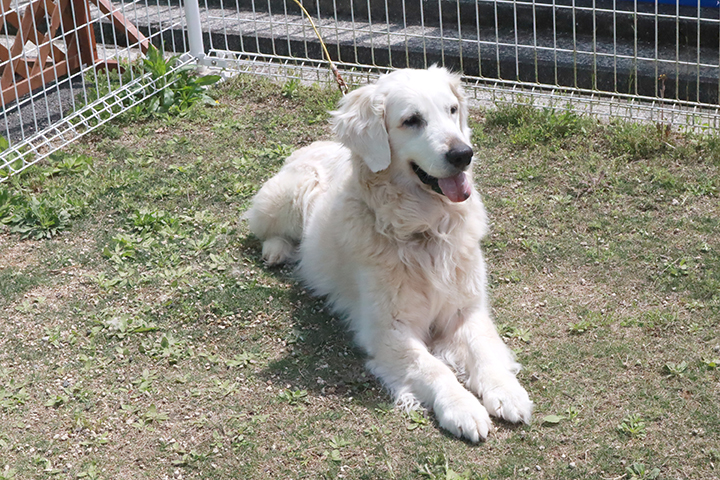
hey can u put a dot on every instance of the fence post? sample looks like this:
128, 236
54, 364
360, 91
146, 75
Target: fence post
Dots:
194, 28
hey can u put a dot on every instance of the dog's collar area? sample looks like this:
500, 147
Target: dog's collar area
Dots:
428, 180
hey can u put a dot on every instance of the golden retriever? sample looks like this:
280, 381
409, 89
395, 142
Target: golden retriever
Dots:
386, 223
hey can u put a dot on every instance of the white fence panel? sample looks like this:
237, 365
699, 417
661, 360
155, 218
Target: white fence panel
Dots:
59, 68
648, 60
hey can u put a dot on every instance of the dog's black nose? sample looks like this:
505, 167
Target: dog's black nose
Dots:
459, 155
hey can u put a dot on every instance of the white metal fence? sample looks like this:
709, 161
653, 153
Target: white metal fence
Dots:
632, 59
65, 69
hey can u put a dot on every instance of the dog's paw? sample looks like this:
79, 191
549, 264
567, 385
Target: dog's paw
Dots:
508, 400
277, 250
463, 415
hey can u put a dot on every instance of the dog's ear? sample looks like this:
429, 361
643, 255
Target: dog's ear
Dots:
456, 87
359, 123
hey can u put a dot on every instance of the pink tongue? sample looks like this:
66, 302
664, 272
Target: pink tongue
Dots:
456, 188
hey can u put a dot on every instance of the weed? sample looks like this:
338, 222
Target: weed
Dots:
167, 346
638, 471
376, 431
176, 89
7, 203
145, 380
675, 369
510, 331
711, 363
552, 419
188, 458
572, 413
290, 88
338, 442
37, 218
635, 140
293, 397
63, 164
272, 154
416, 419
242, 360
678, 268
12, 395
632, 426
122, 325
154, 415
91, 473
437, 467
157, 88
202, 244
224, 388
56, 401
530, 245
13, 161
582, 326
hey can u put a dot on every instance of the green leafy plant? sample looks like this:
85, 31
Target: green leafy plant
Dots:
638, 471
167, 346
12, 395
581, 327
510, 331
56, 401
437, 467
675, 369
91, 473
145, 380
154, 415
156, 87
121, 325
176, 90
528, 125
633, 426
711, 363
678, 268
417, 420
11, 161
63, 164
290, 88
293, 397
335, 444
552, 419
8, 201
38, 219
242, 360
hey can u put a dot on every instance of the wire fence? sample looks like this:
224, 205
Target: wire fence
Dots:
632, 59
628, 59
66, 68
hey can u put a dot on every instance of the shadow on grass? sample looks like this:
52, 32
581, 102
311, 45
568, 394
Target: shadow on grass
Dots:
320, 355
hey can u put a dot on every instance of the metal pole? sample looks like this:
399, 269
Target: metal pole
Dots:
194, 29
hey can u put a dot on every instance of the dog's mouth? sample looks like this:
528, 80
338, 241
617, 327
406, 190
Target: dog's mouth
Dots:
456, 188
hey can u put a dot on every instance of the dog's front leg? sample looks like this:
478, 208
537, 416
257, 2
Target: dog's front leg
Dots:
490, 367
404, 364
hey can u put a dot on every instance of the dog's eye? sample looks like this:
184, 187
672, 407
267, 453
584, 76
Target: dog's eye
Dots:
453, 110
413, 121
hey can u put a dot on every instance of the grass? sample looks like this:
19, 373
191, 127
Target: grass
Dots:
143, 338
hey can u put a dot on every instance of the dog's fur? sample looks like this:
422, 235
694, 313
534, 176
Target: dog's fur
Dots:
400, 260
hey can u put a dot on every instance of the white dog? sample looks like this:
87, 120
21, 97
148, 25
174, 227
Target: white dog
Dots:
386, 224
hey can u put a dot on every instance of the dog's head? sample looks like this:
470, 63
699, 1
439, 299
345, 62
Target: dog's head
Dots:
413, 121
